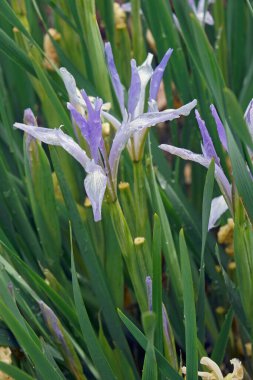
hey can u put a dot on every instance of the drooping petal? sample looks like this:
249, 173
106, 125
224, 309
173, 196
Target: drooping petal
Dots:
56, 137
208, 147
152, 118
158, 75
95, 185
145, 72
249, 117
134, 89
117, 85
70, 84
220, 127
218, 208
204, 161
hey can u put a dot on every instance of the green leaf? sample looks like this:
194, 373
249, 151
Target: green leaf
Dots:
150, 366
242, 177
221, 343
206, 207
42, 197
189, 312
163, 364
157, 283
90, 338
15, 372
42, 365
98, 281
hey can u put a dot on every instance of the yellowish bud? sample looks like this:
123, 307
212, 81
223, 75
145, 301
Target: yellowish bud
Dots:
232, 266
220, 310
49, 49
87, 202
139, 240
123, 186
218, 268
226, 236
106, 129
248, 348
188, 174
119, 16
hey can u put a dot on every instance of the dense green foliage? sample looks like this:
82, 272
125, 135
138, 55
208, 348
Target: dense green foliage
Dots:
74, 298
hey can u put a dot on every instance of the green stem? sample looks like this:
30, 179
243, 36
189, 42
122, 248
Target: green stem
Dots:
140, 199
126, 244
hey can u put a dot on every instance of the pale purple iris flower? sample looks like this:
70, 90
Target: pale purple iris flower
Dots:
205, 159
199, 10
203, 16
224, 202
101, 168
132, 105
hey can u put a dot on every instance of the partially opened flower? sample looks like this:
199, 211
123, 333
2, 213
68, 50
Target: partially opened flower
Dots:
201, 12
215, 373
203, 15
208, 154
133, 110
222, 203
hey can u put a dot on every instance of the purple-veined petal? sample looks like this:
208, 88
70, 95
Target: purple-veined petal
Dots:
152, 118
95, 185
158, 75
220, 127
208, 147
117, 85
70, 84
29, 117
56, 137
145, 72
249, 117
94, 124
134, 89
218, 207
204, 161
79, 120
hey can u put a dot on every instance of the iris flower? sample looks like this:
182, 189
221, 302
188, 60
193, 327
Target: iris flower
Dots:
101, 168
224, 202
203, 16
132, 109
